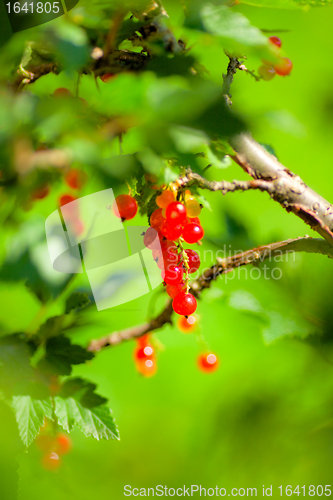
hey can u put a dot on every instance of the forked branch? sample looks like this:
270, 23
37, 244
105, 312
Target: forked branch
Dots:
222, 266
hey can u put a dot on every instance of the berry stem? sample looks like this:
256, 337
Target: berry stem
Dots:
185, 263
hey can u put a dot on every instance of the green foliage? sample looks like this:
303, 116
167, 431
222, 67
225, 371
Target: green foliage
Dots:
162, 112
96, 422
288, 4
60, 355
77, 301
78, 404
30, 414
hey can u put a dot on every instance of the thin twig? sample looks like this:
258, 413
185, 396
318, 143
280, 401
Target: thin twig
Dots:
223, 266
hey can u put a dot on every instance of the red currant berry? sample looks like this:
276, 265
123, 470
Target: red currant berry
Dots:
62, 92
284, 66
193, 260
151, 239
125, 207
165, 198
266, 72
173, 290
208, 362
275, 40
192, 233
194, 220
187, 325
66, 198
157, 219
176, 213
107, 77
145, 352
75, 178
173, 275
184, 304
40, 193
51, 461
170, 254
171, 232
147, 367
63, 444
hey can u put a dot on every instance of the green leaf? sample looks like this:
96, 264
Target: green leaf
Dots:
280, 326
288, 4
201, 107
82, 391
30, 414
60, 355
165, 65
27, 260
221, 21
76, 301
96, 422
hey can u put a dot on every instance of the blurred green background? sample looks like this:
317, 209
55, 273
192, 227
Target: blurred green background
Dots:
265, 417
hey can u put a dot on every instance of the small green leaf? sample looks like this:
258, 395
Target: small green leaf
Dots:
30, 414
60, 355
97, 422
220, 20
83, 391
280, 326
76, 301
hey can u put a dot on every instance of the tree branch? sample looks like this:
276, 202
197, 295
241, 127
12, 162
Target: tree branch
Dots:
286, 188
222, 266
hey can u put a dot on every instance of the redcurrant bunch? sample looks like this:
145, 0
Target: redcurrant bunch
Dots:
172, 224
283, 67
144, 356
53, 445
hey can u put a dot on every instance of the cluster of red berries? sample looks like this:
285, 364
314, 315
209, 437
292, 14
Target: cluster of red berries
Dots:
172, 223
53, 445
283, 67
145, 357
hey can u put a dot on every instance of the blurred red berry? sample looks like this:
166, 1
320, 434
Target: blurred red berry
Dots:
187, 325
51, 461
208, 362
40, 193
275, 40
75, 178
63, 444
284, 66
66, 198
